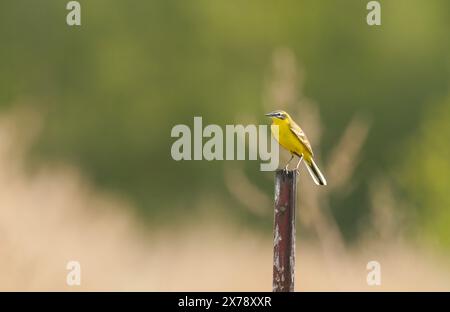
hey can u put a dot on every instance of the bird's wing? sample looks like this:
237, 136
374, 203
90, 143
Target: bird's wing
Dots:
301, 136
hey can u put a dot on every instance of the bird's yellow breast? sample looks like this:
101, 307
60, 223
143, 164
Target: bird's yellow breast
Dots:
287, 139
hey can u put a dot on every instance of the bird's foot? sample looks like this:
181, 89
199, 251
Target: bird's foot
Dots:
298, 164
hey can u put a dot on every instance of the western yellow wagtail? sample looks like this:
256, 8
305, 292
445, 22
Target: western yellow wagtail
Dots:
291, 137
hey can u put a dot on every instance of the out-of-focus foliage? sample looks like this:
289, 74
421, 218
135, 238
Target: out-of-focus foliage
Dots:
426, 175
111, 90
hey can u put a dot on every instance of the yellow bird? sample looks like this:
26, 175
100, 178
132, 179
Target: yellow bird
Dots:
291, 137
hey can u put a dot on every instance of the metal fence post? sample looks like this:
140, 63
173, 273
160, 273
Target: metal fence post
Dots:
284, 231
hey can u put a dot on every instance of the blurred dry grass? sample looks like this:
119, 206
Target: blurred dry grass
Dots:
53, 215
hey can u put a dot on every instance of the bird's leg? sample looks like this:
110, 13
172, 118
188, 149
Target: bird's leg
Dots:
298, 164
287, 165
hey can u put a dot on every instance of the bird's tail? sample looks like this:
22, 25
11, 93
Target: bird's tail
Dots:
315, 173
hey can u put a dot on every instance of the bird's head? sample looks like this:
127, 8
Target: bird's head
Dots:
279, 116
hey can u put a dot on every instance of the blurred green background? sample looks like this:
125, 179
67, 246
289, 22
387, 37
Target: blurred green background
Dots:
111, 90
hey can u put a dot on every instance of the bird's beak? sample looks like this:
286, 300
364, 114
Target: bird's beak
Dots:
270, 114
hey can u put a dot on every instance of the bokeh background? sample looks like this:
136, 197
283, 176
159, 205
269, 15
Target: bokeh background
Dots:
85, 120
